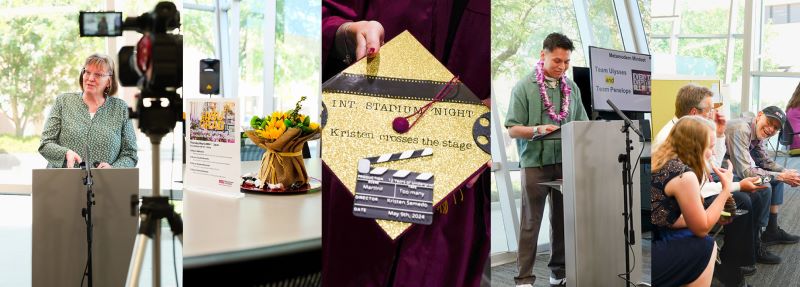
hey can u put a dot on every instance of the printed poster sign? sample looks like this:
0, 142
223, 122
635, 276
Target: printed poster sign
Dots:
212, 147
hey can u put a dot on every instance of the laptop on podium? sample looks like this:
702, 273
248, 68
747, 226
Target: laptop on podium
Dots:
59, 231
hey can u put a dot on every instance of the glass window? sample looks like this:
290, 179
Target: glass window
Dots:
603, 22
767, 14
794, 13
646, 18
775, 91
699, 56
733, 97
499, 230
297, 60
779, 14
251, 58
704, 17
696, 57
199, 42
202, 2
659, 46
499, 239
702, 57
779, 43
662, 26
661, 8
739, 17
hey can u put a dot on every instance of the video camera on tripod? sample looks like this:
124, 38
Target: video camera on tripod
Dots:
155, 66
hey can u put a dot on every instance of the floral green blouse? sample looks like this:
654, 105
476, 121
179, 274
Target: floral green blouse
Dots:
106, 137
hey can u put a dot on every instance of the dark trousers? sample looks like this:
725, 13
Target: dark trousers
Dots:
534, 196
761, 201
740, 235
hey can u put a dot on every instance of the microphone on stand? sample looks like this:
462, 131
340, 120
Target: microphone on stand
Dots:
627, 187
625, 118
88, 169
86, 213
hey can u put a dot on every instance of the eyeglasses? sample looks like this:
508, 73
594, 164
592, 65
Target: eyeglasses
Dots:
706, 111
96, 75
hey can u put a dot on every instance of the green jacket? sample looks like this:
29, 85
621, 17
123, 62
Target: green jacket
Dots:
526, 109
108, 137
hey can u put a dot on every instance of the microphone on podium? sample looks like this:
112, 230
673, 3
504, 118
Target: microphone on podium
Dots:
625, 118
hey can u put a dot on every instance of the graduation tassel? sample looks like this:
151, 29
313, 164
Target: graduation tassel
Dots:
401, 125
442, 208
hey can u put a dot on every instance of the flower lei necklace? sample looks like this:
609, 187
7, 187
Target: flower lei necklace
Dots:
565, 92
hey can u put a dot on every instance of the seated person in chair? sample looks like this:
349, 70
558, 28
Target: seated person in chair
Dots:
682, 251
740, 249
793, 117
745, 139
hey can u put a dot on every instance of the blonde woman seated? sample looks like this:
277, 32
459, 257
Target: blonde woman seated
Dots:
683, 253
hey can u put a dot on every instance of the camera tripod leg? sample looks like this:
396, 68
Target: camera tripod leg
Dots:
152, 211
138, 259
157, 255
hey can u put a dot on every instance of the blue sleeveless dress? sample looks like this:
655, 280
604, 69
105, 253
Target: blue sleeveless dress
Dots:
678, 256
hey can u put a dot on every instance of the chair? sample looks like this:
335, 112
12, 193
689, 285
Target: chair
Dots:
785, 138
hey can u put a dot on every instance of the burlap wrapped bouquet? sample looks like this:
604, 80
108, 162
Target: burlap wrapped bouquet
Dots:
282, 136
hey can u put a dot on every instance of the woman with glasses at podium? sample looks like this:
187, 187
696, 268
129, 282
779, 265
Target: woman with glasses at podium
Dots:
91, 126
683, 253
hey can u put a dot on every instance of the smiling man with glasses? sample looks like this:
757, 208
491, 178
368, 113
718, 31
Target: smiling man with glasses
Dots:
745, 140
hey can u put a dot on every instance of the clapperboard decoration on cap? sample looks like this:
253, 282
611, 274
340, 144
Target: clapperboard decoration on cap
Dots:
399, 195
360, 110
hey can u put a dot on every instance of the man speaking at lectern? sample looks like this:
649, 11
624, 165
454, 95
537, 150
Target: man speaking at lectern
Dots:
540, 103
91, 126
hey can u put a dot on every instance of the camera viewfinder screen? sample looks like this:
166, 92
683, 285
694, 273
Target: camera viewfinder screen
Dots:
100, 24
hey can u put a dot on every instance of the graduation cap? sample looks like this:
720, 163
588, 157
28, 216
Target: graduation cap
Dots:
394, 172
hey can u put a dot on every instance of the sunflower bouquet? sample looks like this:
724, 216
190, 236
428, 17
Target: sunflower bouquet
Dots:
282, 135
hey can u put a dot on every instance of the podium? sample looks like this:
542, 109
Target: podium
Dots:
59, 230
593, 204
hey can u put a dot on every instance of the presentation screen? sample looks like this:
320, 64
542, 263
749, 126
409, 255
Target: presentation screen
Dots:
623, 77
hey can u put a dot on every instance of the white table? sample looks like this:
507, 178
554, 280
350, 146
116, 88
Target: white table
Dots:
220, 230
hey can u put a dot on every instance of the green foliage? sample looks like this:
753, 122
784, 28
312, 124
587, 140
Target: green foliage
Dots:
707, 22
518, 28
297, 61
603, 22
197, 29
15, 144
40, 56
280, 20
644, 10
251, 40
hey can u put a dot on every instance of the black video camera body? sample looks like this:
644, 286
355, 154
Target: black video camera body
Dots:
154, 65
